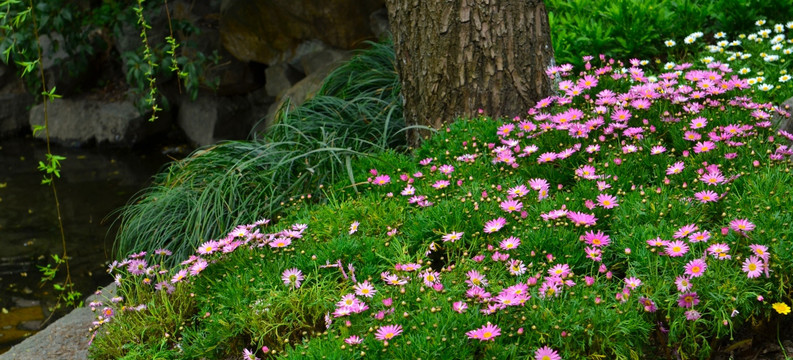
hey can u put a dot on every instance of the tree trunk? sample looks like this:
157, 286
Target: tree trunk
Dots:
455, 57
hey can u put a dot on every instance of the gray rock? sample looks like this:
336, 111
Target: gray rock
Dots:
378, 21
30, 325
53, 49
59, 70
65, 339
77, 122
300, 92
22, 302
271, 31
281, 76
212, 118
15, 104
306, 48
318, 61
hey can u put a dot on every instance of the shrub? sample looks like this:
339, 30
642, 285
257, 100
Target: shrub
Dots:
635, 28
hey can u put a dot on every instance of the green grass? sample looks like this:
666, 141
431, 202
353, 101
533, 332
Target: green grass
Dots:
356, 112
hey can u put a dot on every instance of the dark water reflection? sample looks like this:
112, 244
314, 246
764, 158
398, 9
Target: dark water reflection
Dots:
93, 184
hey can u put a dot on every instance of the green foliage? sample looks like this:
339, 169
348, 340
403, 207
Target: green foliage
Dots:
205, 195
637, 28
88, 29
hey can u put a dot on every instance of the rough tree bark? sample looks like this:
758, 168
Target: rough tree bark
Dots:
457, 56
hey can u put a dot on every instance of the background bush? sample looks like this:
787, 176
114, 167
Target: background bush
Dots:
637, 28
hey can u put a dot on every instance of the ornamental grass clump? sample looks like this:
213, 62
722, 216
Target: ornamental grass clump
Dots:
356, 112
630, 215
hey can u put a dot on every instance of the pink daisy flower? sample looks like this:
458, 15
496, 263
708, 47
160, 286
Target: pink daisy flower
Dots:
365, 289
712, 178
655, 150
649, 304
505, 129
181, 275
208, 247
704, 146
459, 306
248, 355
509, 243
621, 115
280, 242
696, 267
381, 180
683, 283
354, 227
698, 123
706, 196
632, 282
518, 191
559, 270
430, 277
688, 300
198, 267
719, 251
452, 236
539, 184
446, 169
137, 267
753, 267
476, 279
388, 332
676, 248
607, 201
692, 136
546, 353
440, 184
516, 267
596, 239
494, 225
580, 218
353, 340
760, 250
593, 253
685, 230
675, 168
699, 236
741, 225
485, 333
692, 315
586, 172
546, 157
292, 277
511, 205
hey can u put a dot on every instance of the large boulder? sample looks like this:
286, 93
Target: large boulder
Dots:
77, 122
306, 88
14, 104
272, 31
212, 118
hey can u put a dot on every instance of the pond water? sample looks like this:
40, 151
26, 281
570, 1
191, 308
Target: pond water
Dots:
94, 184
